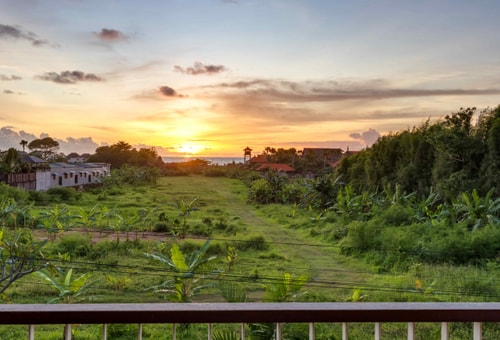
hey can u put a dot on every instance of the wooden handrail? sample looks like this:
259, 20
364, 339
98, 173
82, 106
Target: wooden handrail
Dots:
247, 312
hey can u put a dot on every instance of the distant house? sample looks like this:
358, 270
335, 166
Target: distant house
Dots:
348, 153
76, 158
261, 163
278, 167
43, 176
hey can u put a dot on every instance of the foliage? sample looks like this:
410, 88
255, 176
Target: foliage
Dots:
186, 280
71, 289
45, 147
285, 288
20, 255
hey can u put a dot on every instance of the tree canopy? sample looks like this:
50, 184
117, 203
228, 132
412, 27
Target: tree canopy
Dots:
45, 147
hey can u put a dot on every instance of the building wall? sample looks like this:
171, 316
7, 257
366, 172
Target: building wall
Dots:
42, 180
76, 175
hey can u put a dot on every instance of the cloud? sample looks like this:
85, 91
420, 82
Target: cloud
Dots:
8, 92
10, 138
15, 33
109, 34
70, 77
167, 91
330, 91
4, 77
200, 68
368, 137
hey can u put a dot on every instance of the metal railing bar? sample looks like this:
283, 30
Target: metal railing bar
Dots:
312, 332
344, 331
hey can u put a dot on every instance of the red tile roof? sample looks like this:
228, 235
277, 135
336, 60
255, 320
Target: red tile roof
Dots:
275, 167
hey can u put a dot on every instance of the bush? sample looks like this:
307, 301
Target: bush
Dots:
17, 194
63, 195
75, 245
253, 243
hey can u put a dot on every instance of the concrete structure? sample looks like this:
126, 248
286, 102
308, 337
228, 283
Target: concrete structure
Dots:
60, 175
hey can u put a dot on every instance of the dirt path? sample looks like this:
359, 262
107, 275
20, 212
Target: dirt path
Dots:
318, 259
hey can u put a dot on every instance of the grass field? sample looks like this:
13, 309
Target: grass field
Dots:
270, 240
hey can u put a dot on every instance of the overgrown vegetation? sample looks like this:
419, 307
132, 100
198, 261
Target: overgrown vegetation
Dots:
416, 217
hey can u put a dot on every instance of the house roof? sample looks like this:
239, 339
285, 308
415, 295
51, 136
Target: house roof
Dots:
259, 159
275, 167
33, 159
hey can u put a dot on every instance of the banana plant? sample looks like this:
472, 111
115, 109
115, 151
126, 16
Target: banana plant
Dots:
185, 210
187, 279
71, 289
285, 288
477, 210
55, 220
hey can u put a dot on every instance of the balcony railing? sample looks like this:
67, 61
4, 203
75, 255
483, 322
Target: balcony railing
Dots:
243, 313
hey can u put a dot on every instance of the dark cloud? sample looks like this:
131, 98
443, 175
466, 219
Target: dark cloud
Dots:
9, 78
200, 68
8, 92
368, 137
15, 33
109, 34
70, 77
167, 91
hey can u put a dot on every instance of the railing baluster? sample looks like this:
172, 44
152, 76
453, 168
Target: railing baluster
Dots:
344, 331
31, 332
444, 331
312, 334
478, 330
139, 332
411, 331
174, 331
278, 331
377, 330
242, 331
67, 332
209, 331
104, 331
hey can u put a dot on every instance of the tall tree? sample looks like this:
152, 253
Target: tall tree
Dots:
23, 143
46, 147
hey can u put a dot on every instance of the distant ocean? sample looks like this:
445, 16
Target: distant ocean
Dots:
212, 160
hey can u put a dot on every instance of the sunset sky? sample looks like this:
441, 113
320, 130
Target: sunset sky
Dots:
212, 77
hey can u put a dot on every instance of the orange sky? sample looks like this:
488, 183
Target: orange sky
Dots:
212, 77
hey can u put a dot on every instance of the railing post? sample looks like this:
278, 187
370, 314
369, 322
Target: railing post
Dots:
377, 330
278, 331
344, 331
209, 331
67, 332
104, 331
242, 331
444, 331
312, 334
174, 331
478, 331
31, 332
139, 332
411, 331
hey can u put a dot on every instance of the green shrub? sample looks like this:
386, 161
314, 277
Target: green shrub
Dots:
63, 195
253, 243
75, 245
162, 227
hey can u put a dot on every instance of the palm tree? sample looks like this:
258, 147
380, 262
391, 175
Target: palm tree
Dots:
23, 143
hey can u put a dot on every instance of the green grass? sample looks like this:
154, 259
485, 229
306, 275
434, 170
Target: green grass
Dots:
270, 240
